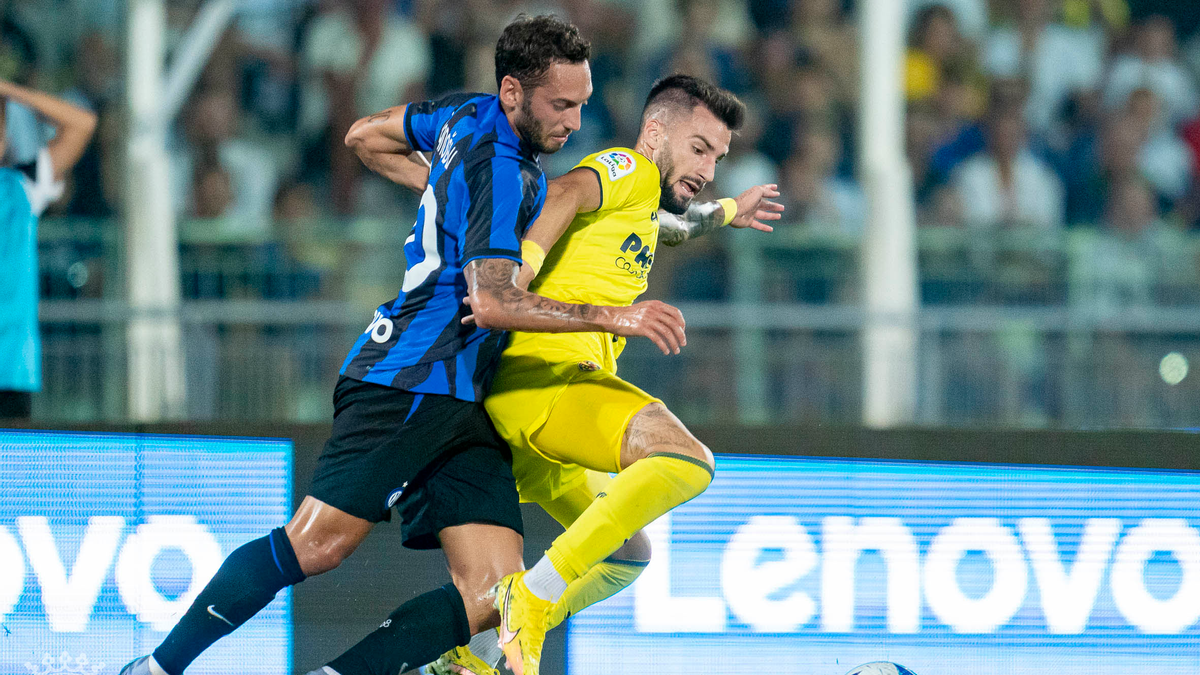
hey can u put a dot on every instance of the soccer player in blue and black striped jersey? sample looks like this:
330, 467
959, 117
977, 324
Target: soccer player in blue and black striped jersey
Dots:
409, 428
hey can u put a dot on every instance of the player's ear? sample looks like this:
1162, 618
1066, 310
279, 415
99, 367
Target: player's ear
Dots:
654, 130
512, 95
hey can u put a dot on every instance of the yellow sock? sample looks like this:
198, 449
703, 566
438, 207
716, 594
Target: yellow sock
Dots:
602, 581
634, 499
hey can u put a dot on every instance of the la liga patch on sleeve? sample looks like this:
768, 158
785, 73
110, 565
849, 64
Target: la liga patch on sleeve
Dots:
618, 164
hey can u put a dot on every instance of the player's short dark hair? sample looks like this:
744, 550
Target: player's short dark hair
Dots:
531, 44
687, 92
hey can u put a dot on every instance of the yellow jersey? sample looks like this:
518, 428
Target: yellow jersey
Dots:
603, 258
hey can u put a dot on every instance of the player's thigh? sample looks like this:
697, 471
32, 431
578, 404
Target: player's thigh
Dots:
382, 439
587, 422
655, 430
473, 486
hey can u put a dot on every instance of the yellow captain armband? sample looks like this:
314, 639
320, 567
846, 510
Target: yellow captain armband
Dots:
533, 255
730, 207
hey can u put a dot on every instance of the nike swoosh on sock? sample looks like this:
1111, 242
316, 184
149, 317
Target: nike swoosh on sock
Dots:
214, 613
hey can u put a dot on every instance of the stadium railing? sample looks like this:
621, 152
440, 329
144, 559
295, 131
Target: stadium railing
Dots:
1016, 329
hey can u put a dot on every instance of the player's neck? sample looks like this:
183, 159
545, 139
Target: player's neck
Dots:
643, 148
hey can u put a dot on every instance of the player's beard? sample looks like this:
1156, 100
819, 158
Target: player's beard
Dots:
533, 131
669, 201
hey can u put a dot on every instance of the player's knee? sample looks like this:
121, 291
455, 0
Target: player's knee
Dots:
319, 552
636, 549
320, 557
478, 600
476, 584
655, 430
700, 451
322, 535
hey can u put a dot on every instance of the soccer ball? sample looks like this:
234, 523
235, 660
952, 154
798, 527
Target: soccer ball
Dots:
881, 668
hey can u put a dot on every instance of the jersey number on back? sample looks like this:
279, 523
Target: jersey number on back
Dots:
417, 274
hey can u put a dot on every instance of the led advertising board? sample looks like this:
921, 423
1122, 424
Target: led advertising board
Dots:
813, 566
105, 539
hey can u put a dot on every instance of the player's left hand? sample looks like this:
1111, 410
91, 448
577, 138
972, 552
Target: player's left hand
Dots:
468, 320
755, 206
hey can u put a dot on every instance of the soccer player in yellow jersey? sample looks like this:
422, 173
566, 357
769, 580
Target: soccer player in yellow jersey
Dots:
557, 399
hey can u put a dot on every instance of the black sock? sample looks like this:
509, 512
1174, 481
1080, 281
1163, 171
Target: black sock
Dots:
247, 581
418, 632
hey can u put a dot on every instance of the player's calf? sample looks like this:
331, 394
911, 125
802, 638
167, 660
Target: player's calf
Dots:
479, 556
635, 549
605, 579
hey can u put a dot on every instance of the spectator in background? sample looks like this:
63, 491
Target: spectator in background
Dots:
957, 104
963, 137
25, 191
1006, 185
1057, 60
1084, 150
1154, 65
699, 52
1111, 15
921, 137
212, 149
1130, 266
971, 16
1191, 137
1163, 157
360, 51
822, 28
93, 187
944, 209
801, 95
1138, 255
813, 192
265, 40
448, 27
18, 57
933, 43
212, 192
308, 256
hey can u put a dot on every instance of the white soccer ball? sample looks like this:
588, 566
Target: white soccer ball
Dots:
881, 668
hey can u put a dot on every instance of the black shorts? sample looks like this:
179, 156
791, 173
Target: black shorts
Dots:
16, 405
437, 459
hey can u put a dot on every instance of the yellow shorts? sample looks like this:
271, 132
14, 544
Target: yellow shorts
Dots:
561, 416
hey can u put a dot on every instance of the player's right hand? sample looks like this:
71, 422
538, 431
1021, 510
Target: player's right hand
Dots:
755, 206
661, 323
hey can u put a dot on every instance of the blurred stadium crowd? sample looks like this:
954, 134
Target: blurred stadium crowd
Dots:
1043, 114
1054, 144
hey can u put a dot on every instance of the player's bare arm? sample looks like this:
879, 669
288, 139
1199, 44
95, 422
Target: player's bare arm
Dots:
497, 302
73, 125
380, 143
754, 207
575, 192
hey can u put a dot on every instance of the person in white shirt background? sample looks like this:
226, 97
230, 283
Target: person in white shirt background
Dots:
1006, 185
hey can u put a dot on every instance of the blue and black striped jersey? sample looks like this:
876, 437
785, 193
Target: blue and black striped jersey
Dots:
485, 188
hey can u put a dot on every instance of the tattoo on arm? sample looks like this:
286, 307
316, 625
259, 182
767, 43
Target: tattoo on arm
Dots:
497, 278
697, 221
379, 117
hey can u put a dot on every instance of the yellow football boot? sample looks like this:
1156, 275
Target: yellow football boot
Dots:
522, 624
460, 661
